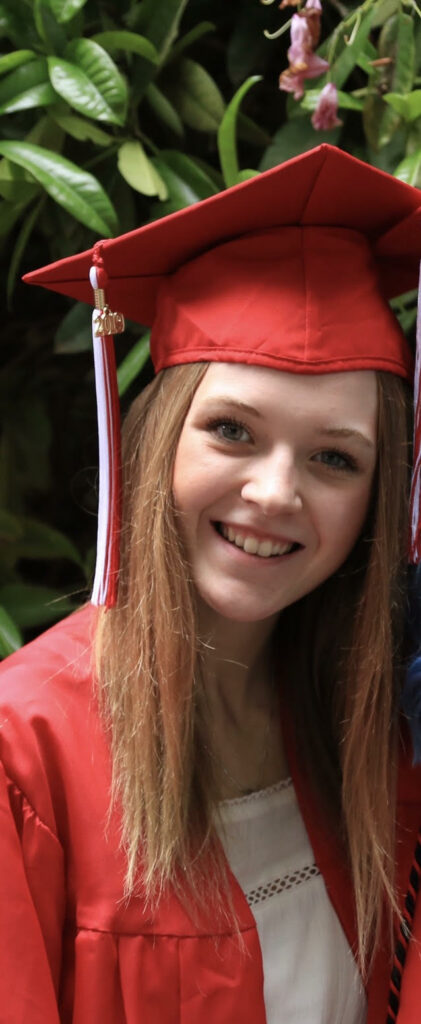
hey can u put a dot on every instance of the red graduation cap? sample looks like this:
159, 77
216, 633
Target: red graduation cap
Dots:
291, 269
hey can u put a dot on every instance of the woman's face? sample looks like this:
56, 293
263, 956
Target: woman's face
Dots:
272, 481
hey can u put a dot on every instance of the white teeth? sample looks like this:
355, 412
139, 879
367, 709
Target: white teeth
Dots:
265, 548
252, 545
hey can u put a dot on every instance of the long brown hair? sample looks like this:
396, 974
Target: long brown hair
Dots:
344, 685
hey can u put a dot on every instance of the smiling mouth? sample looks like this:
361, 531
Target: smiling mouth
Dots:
254, 545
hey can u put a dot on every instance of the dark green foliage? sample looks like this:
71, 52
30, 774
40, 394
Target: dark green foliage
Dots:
113, 115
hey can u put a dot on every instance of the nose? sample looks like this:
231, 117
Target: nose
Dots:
273, 485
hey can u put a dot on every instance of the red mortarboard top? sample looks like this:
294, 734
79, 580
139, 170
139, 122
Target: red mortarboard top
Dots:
291, 269
288, 269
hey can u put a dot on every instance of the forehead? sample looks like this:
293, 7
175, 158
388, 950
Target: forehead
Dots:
339, 396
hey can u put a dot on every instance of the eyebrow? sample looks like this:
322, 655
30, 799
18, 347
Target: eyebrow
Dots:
344, 433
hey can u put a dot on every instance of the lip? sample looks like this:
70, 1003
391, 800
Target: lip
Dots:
252, 531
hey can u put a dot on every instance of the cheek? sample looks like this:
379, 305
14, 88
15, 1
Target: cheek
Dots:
344, 519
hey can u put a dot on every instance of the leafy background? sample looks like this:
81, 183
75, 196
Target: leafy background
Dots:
112, 116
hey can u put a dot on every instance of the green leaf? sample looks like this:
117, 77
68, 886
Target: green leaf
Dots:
160, 22
297, 136
227, 133
30, 605
396, 41
74, 189
48, 27
90, 82
246, 174
133, 363
139, 171
191, 37
409, 169
14, 183
180, 192
407, 106
10, 635
74, 333
164, 110
196, 96
80, 129
17, 24
28, 86
129, 42
348, 56
345, 100
41, 541
383, 11
20, 246
10, 61
64, 10
194, 175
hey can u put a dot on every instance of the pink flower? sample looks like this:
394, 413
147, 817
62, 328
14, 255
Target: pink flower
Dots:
325, 115
303, 62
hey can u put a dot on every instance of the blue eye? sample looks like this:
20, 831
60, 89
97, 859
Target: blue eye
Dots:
229, 430
334, 459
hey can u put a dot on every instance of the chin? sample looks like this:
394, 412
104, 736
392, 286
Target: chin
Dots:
236, 610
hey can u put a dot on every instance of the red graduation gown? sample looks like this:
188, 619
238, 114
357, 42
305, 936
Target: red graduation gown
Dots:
71, 950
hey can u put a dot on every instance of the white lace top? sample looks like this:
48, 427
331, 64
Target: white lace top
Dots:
310, 975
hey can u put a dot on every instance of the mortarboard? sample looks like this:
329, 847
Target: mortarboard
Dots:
291, 269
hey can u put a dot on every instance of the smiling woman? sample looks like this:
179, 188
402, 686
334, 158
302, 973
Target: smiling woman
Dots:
239, 694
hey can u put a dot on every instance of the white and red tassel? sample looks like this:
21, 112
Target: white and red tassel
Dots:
104, 324
415, 499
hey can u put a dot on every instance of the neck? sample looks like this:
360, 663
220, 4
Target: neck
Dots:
237, 658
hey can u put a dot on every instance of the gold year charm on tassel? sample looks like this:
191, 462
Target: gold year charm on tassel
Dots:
108, 323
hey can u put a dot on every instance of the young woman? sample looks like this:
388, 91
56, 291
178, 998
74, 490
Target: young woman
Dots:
209, 810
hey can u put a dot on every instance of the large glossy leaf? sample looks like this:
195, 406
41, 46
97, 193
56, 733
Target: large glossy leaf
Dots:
28, 86
187, 168
74, 189
164, 110
80, 129
90, 82
30, 605
196, 96
409, 169
130, 42
408, 106
181, 192
227, 134
139, 171
10, 61
64, 10
133, 363
10, 635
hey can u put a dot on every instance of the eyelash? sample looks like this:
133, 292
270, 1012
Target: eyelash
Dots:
350, 464
227, 421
